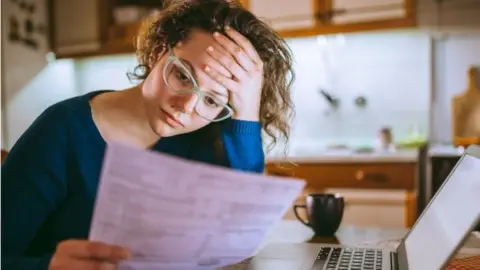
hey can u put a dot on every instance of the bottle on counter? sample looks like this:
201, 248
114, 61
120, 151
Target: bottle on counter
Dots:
384, 141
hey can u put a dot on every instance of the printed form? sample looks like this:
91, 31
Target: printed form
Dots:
177, 214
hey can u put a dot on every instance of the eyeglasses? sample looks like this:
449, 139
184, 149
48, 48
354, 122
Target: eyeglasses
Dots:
179, 80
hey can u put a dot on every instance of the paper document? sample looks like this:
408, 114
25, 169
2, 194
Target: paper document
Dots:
177, 214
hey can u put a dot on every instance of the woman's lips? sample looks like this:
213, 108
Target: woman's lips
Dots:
172, 121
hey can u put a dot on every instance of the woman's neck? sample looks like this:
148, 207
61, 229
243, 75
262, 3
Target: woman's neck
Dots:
123, 117
134, 106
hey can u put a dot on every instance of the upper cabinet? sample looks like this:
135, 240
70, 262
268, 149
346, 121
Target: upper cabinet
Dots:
99, 27
96, 27
78, 27
448, 16
355, 11
285, 15
313, 17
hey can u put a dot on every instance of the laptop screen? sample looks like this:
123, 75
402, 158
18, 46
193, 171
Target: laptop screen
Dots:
449, 216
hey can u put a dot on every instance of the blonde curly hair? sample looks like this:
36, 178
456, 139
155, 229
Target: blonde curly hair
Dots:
177, 18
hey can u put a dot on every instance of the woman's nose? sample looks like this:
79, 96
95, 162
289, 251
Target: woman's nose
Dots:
186, 102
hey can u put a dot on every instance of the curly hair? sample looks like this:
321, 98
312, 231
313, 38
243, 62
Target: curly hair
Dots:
177, 18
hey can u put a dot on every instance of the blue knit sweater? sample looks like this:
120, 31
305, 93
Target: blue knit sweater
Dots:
50, 177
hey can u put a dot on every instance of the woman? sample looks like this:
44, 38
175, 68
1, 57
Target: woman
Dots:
212, 78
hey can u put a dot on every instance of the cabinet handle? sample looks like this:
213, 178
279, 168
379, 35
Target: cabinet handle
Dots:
360, 175
328, 15
373, 177
279, 174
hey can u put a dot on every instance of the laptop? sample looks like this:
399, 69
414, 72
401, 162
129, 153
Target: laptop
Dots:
438, 233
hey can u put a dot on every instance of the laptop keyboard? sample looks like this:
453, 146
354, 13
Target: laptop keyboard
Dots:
348, 259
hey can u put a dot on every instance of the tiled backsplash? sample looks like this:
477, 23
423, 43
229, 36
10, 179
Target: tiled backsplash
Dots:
390, 69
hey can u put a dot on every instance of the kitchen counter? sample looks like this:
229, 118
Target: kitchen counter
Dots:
344, 156
442, 150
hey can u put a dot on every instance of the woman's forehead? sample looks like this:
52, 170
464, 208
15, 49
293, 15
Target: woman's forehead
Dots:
193, 53
194, 48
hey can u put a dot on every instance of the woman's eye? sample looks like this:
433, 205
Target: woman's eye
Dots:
211, 102
181, 77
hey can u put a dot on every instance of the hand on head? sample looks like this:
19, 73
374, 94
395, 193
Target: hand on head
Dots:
87, 255
249, 62
241, 60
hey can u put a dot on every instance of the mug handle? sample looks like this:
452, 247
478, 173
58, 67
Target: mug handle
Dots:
295, 207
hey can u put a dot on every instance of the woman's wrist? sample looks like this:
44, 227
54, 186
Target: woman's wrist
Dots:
247, 116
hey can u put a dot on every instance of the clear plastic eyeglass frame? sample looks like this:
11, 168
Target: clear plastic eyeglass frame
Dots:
195, 89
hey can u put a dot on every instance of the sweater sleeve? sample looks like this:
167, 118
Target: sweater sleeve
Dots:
242, 141
33, 185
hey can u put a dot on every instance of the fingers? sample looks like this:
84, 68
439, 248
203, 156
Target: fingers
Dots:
80, 264
215, 64
92, 250
228, 62
237, 51
244, 43
220, 79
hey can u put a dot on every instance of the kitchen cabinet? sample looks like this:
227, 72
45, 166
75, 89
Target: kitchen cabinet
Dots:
397, 176
376, 193
374, 208
354, 11
312, 17
78, 27
448, 16
89, 27
284, 14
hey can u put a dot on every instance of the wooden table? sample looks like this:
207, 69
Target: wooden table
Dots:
292, 231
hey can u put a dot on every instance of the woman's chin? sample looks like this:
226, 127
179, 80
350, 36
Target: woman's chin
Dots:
163, 129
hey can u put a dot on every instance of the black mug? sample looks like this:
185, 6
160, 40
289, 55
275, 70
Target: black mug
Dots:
324, 212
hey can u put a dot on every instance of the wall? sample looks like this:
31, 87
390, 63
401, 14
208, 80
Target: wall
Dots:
454, 55
29, 84
390, 69
108, 72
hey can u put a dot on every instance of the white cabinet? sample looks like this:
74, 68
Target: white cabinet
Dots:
367, 208
76, 26
355, 11
449, 15
285, 14
374, 208
319, 17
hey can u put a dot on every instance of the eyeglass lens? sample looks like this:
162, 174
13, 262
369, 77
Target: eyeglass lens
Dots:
179, 80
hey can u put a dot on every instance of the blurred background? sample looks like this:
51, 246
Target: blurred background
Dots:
386, 91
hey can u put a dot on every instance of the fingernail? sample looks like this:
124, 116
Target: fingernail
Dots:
179, 44
210, 49
206, 68
216, 34
227, 28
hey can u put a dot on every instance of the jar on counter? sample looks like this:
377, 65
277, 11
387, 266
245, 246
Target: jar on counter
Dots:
385, 141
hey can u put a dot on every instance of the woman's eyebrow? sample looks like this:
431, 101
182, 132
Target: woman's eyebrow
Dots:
190, 68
